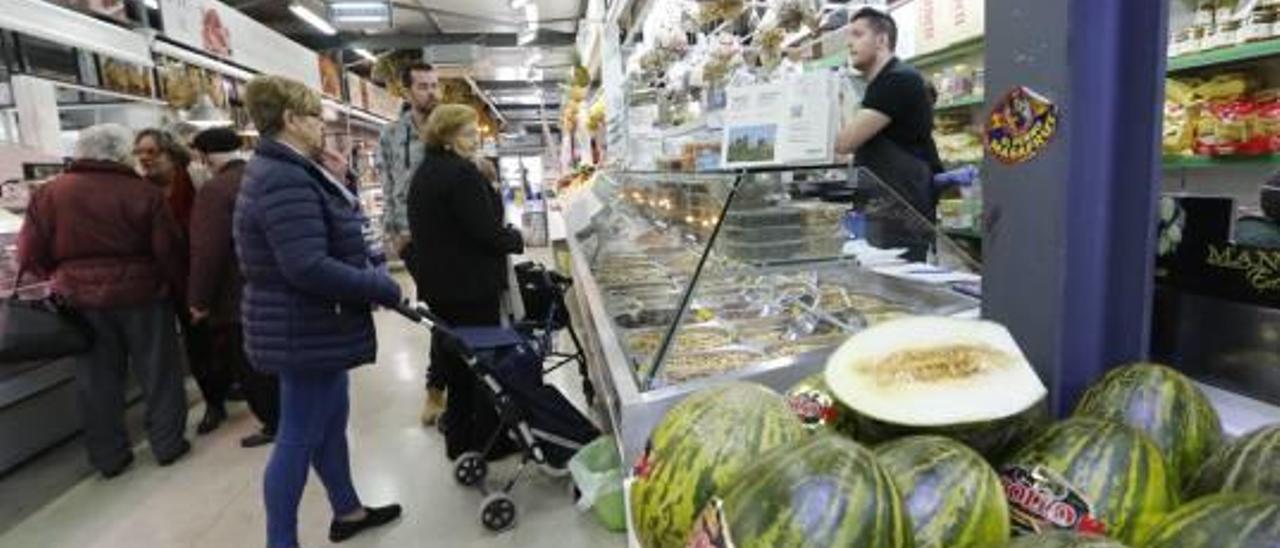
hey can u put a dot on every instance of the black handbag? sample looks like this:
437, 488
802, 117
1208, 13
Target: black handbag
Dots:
40, 329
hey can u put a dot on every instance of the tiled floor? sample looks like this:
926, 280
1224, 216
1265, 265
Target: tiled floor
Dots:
213, 497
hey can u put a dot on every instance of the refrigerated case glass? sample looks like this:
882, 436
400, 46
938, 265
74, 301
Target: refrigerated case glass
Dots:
706, 275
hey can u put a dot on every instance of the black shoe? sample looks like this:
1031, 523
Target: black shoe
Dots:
120, 469
182, 451
374, 517
213, 417
257, 439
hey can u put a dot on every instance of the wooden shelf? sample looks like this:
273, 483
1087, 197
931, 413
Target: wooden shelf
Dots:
1205, 162
1223, 56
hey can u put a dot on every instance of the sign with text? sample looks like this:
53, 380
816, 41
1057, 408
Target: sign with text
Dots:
939, 23
793, 121
221, 31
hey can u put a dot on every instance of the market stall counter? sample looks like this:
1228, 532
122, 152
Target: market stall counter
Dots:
685, 280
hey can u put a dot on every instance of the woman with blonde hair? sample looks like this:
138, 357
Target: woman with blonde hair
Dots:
310, 281
461, 246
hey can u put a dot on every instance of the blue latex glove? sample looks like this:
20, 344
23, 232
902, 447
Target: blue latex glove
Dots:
961, 176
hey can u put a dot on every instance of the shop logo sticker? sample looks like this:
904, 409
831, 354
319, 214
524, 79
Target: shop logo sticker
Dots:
814, 408
1041, 500
1021, 126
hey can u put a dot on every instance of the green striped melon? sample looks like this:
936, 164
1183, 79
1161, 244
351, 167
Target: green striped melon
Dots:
1250, 464
1065, 539
1165, 405
699, 450
811, 400
827, 491
1117, 470
1228, 520
954, 498
964, 379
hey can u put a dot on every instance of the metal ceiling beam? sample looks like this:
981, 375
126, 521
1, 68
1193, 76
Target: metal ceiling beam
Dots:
529, 108
499, 85
405, 40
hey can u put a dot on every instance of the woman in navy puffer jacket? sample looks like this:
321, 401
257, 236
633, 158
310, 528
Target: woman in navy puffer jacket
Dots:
309, 288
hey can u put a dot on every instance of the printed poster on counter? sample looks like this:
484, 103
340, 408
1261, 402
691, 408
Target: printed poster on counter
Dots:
793, 121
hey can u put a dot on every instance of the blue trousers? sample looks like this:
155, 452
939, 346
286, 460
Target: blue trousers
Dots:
312, 433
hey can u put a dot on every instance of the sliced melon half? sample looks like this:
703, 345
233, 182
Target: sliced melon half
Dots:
966, 379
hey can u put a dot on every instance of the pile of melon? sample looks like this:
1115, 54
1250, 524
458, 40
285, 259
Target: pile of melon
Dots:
935, 432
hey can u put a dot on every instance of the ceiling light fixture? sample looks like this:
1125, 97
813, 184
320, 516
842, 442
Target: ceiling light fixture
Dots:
526, 37
531, 16
305, 14
366, 54
357, 4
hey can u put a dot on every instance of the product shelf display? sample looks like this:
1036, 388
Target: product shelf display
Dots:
687, 280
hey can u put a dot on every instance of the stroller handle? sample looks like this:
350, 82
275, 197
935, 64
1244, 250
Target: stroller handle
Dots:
417, 312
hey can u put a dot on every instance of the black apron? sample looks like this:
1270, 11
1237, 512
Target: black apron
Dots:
889, 224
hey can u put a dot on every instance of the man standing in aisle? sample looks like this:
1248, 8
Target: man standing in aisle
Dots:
401, 151
892, 134
214, 286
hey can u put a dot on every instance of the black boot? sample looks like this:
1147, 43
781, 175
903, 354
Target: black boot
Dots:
258, 439
374, 517
213, 417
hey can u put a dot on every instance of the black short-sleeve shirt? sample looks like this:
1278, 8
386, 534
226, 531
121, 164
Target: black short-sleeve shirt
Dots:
899, 93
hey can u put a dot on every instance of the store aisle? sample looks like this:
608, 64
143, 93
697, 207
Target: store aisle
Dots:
213, 497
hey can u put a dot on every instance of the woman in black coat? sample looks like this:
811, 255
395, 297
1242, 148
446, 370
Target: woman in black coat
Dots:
461, 245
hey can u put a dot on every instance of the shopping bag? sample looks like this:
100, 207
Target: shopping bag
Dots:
40, 329
597, 474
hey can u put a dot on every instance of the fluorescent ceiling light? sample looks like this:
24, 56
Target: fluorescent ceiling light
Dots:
531, 15
360, 19
312, 19
357, 5
526, 37
366, 54
153, 4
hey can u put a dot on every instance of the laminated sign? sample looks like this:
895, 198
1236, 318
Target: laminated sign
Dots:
1021, 126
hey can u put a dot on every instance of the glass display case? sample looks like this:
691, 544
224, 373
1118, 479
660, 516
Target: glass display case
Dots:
690, 279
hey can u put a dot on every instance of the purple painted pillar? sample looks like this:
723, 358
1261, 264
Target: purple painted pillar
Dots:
1068, 261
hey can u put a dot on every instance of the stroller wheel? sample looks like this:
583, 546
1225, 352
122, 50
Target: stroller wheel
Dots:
470, 469
498, 512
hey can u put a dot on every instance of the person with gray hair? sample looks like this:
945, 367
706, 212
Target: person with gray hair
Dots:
106, 142
118, 258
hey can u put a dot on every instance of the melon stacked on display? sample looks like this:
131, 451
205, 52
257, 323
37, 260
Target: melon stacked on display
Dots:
828, 491
1166, 406
954, 498
1105, 477
1250, 464
963, 379
699, 450
1229, 520
934, 396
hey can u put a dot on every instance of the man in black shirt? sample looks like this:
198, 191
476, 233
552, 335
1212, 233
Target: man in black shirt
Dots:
892, 134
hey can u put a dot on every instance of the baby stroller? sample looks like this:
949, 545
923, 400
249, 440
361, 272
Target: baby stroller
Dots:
542, 292
545, 427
